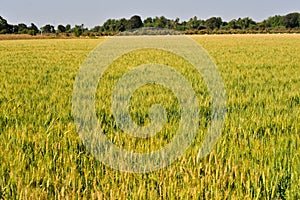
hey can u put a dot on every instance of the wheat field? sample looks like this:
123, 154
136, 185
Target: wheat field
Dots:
257, 156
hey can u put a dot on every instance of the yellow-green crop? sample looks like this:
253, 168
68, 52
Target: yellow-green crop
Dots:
257, 156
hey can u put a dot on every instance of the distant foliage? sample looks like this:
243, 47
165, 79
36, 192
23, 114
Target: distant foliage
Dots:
289, 23
291, 20
134, 22
61, 28
48, 29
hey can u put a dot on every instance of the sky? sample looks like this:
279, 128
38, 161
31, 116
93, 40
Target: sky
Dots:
96, 12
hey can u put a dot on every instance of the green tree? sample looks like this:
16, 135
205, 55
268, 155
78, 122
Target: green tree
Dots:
233, 24
33, 29
246, 23
213, 23
182, 26
15, 29
195, 24
262, 25
96, 29
5, 27
48, 29
134, 22
175, 23
78, 30
291, 20
121, 24
22, 28
68, 28
274, 22
160, 22
109, 25
61, 28
224, 26
148, 22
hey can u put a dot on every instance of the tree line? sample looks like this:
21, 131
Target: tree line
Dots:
277, 23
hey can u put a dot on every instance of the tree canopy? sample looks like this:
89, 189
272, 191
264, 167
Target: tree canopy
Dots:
277, 23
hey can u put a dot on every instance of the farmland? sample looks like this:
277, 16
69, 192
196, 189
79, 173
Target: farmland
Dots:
257, 156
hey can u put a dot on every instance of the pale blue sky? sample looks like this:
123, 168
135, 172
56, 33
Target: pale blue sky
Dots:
95, 12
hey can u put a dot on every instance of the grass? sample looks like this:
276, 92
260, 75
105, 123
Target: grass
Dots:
257, 157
